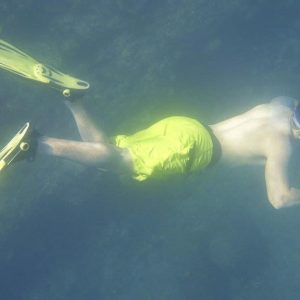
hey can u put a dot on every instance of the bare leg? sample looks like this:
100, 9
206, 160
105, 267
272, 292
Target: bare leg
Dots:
91, 154
86, 127
94, 151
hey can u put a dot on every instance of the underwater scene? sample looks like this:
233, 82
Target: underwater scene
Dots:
70, 232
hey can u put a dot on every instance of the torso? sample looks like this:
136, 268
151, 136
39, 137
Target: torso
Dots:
247, 138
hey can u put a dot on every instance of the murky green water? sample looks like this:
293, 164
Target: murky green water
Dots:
70, 233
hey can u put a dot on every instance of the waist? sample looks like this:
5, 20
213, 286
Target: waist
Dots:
217, 149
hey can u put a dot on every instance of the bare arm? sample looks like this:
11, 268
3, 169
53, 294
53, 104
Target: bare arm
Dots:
280, 194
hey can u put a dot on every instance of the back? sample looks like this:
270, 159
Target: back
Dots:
248, 137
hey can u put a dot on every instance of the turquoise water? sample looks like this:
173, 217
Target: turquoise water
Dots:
67, 232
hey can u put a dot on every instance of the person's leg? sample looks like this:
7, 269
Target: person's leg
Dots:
86, 127
98, 155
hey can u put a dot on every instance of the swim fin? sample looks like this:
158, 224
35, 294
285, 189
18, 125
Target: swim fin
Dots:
17, 146
18, 62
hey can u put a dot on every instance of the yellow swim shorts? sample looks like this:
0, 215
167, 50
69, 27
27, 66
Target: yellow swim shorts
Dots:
171, 146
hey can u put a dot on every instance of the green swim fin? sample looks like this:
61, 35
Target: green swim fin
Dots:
18, 62
15, 147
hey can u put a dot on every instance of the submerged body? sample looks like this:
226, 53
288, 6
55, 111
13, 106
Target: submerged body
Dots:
174, 145
181, 145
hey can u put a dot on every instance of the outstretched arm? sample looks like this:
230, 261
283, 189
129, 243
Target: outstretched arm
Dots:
280, 193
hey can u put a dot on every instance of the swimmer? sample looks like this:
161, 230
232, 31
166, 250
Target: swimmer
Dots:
181, 145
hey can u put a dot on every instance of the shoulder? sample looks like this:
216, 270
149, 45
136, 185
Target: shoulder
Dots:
278, 139
274, 117
285, 101
277, 104
278, 110
272, 112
